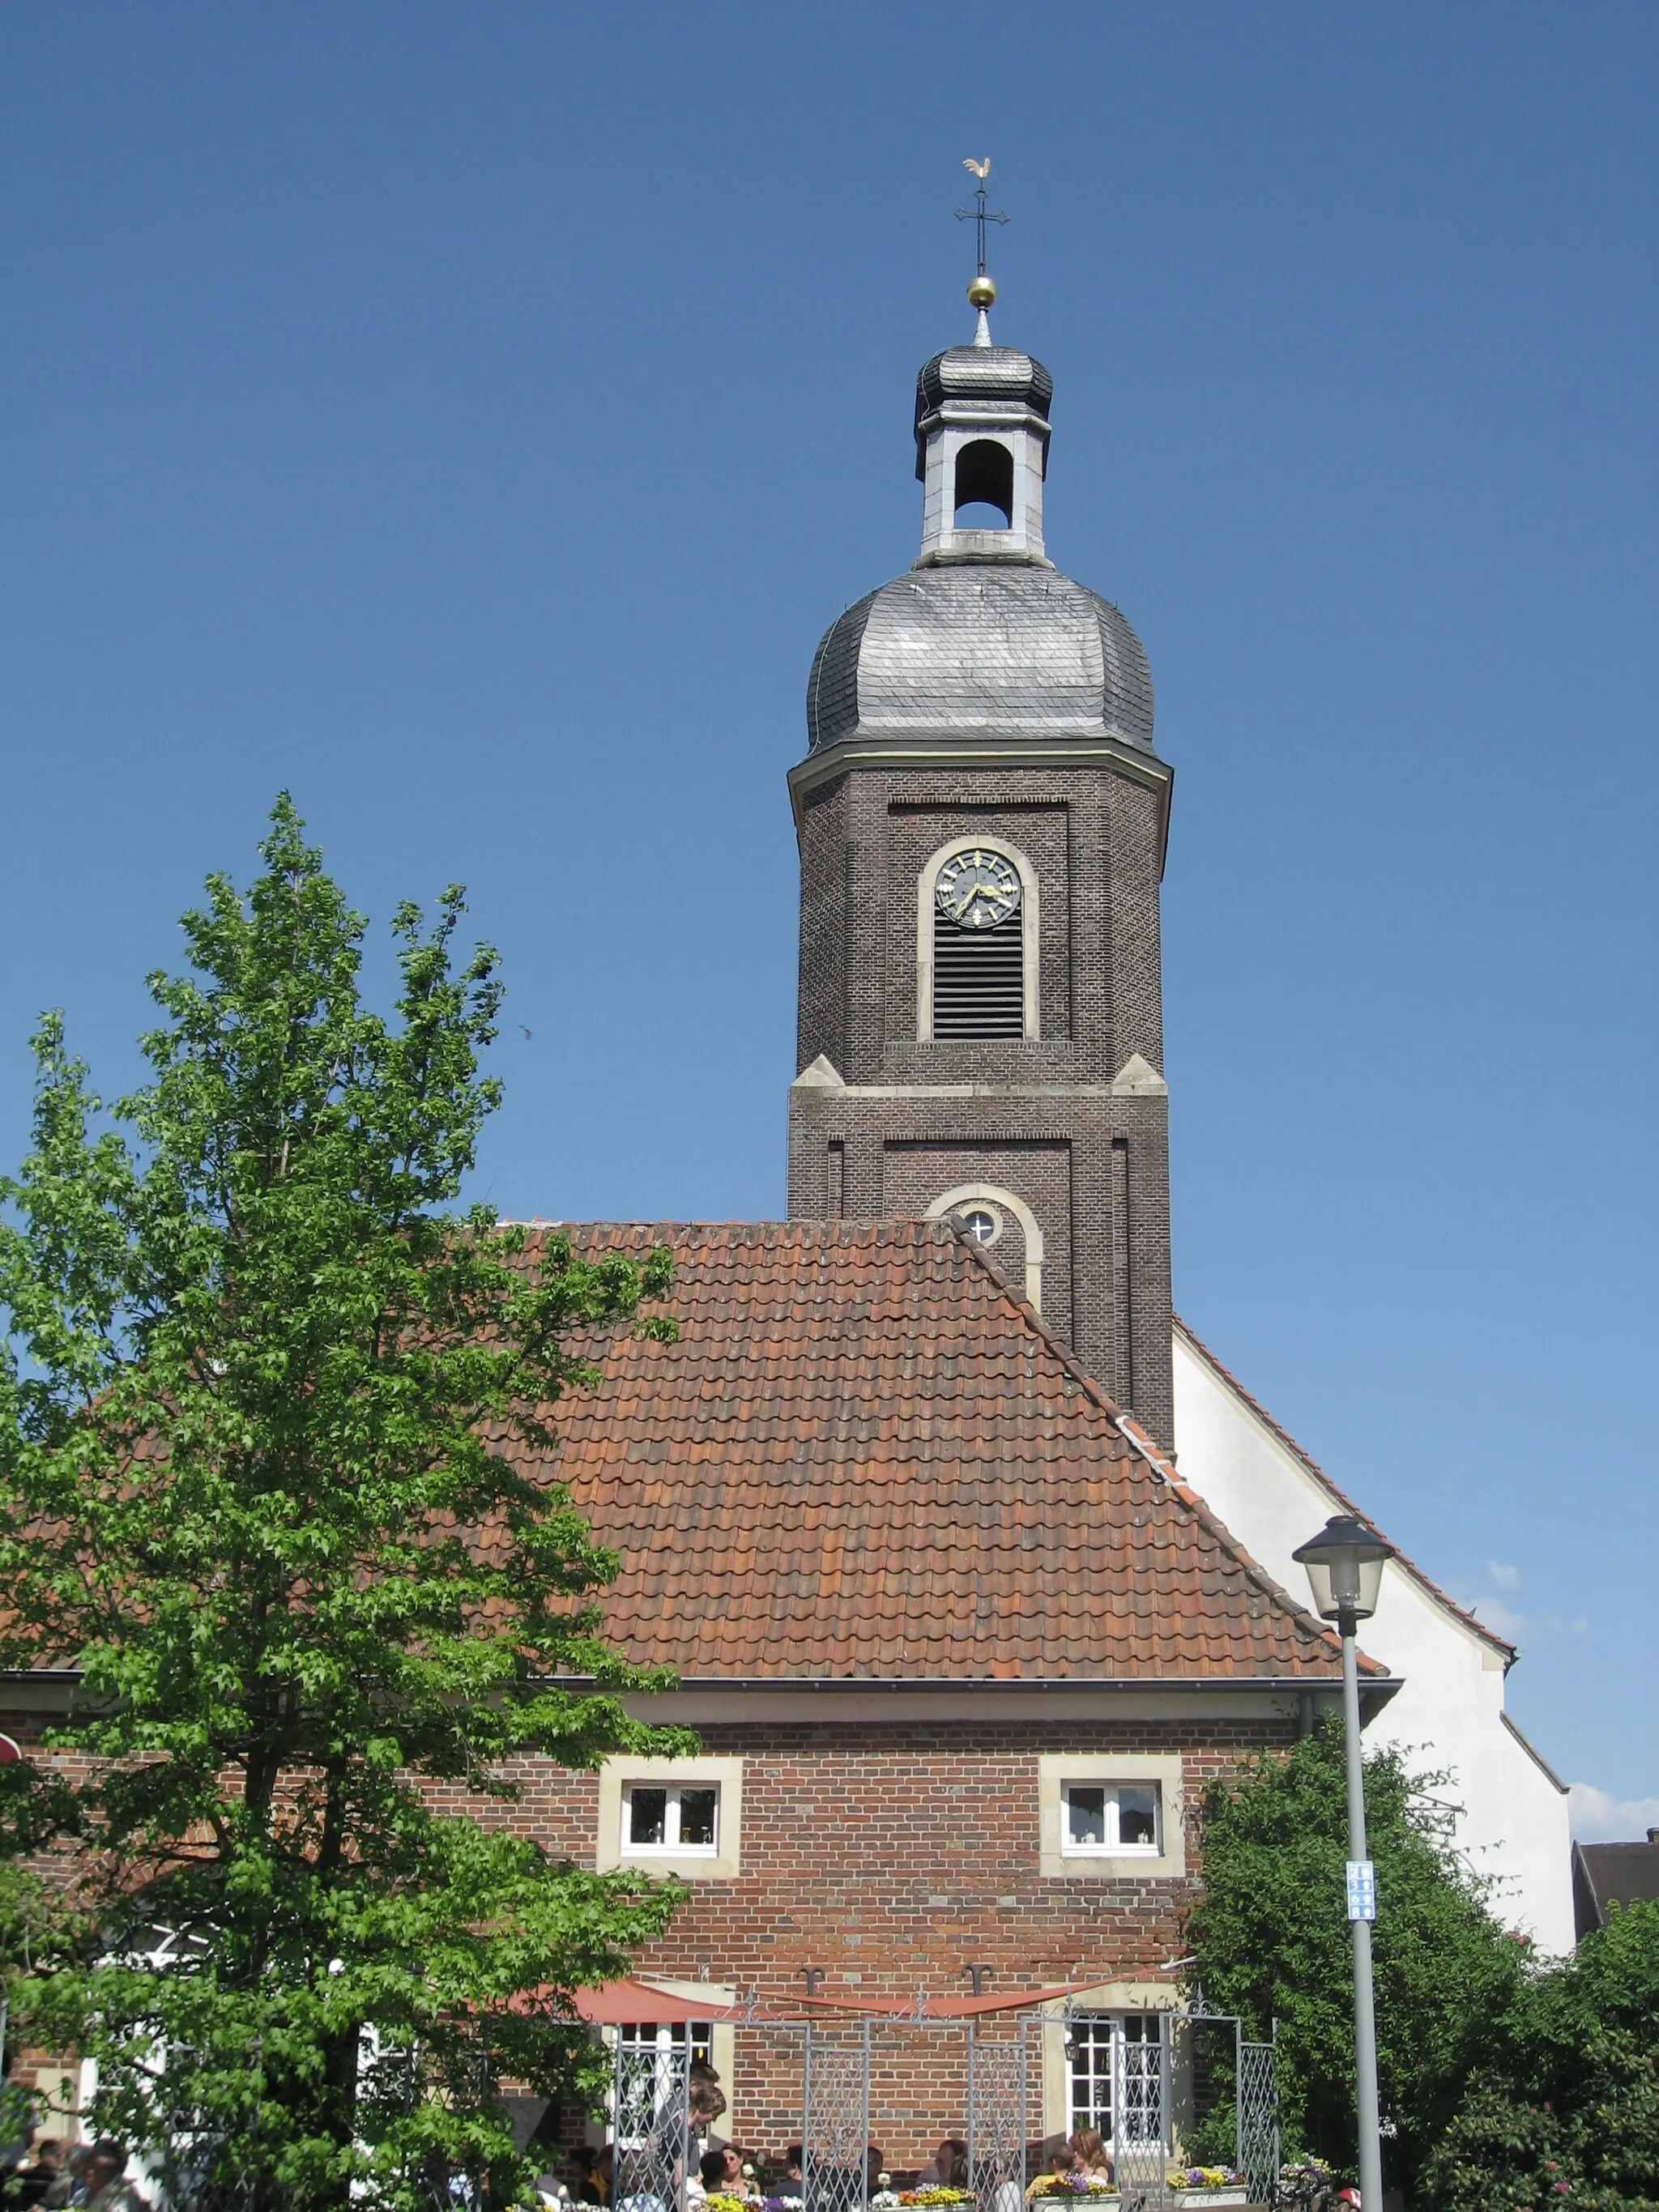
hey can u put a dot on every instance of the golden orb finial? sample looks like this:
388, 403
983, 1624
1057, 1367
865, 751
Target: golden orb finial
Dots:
981, 293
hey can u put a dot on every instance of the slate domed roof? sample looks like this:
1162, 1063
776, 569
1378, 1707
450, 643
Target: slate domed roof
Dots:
1004, 648
999, 380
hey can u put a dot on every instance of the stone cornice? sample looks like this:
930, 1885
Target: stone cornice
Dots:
922, 748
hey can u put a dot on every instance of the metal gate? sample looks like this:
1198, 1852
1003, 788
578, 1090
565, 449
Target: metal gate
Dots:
1257, 2157
998, 2087
834, 2127
651, 2125
1140, 2111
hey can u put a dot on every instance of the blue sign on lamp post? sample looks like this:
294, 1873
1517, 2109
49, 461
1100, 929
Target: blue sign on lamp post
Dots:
1362, 1890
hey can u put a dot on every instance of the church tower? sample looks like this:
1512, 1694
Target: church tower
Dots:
981, 820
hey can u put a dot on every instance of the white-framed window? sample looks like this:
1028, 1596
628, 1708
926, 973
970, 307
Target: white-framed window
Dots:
672, 1816
1107, 1816
673, 1820
653, 2035
654, 2084
1110, 1819
1119, 2076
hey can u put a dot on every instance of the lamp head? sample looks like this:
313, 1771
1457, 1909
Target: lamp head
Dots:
1345, 1566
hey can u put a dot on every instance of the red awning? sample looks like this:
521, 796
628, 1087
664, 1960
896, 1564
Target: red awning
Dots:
1004, 2001
945, 2007
618, 2003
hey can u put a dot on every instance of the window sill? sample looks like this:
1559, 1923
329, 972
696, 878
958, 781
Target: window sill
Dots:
689, 1866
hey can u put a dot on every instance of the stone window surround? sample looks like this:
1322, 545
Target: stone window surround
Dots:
1163, 1768
1002, 1201
1106, 1997
719, 1996
725, 1774
1031, 930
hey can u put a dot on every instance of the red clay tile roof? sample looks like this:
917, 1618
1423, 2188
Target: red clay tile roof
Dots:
867, 1458
1469, 1620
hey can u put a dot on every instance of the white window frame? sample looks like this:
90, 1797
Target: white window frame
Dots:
1030, 932
672, 1845
619, 1776
1061, 1860
1112, 1846
1142, 2053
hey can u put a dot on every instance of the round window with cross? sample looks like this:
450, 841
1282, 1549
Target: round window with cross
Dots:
981, 1222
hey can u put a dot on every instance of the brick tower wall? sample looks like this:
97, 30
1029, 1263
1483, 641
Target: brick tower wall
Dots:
1039, 1117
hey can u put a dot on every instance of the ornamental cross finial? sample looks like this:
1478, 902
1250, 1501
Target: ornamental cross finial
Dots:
980, 212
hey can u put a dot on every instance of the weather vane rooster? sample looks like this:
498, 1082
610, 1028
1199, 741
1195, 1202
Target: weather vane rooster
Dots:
981, 292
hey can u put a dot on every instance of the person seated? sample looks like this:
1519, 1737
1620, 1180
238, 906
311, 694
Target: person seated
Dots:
1062, 2167
720, 2171
36, 2182
1089, 2149
601, 2173
948, 2168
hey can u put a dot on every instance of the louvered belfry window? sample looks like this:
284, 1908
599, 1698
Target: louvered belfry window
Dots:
979, 978
979, 944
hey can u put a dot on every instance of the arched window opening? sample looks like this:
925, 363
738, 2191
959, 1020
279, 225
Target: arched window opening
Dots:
977, 1207
976, 943
979, 978
984, 490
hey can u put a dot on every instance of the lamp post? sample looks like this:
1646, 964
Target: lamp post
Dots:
1345, 1566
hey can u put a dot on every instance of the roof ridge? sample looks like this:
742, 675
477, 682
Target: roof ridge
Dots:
869, 1228
1141, 1443
1470, 1619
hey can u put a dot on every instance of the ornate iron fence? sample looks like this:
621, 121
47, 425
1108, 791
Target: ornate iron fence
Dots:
999, 2117
835, 2132
651, 2125
1257, 2156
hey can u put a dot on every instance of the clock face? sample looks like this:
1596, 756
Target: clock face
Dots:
978, 889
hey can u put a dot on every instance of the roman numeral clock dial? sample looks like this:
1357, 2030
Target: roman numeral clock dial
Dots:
978, 889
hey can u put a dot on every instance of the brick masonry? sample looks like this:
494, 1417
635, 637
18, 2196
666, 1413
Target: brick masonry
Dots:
891, 1856
1042, 1120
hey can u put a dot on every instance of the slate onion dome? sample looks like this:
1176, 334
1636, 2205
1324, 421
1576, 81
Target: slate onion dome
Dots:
982, 637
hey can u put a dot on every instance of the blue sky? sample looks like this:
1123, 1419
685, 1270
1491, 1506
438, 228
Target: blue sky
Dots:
469, 417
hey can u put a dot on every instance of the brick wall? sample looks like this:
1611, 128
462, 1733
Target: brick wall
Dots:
891, 1856
1094, 836
1092, 1166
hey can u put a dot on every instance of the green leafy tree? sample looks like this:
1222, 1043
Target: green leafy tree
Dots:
1565, 2109
259, 1386
1270, 1943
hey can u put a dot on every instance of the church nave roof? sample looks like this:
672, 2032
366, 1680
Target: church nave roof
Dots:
866, 1459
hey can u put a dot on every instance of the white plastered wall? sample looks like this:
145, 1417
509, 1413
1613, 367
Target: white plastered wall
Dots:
1449, 1713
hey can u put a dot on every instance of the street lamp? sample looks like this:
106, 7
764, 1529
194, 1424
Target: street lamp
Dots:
1345, 1566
